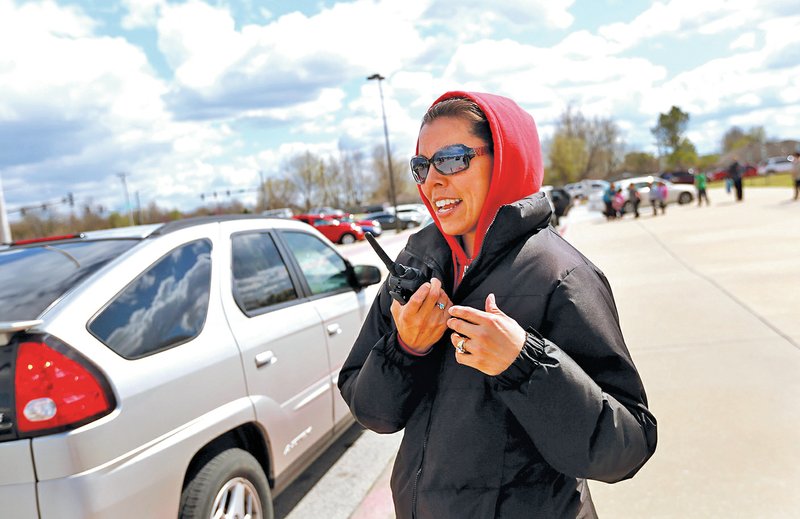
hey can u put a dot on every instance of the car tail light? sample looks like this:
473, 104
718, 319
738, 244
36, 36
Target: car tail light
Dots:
57, 390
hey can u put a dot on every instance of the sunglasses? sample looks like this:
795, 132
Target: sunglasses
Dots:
447, 161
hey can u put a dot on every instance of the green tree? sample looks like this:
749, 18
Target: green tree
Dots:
640, 163
684, 156
568, 158
669, 136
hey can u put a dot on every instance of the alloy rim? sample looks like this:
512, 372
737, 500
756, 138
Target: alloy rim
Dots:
237, 499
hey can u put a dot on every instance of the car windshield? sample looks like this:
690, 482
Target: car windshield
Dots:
32, 278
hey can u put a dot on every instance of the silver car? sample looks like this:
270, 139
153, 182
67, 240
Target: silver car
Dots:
676, 193
179, 370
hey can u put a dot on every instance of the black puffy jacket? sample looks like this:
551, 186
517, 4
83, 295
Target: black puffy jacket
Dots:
519, 445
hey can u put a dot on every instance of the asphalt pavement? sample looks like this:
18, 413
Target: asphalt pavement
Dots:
708, 299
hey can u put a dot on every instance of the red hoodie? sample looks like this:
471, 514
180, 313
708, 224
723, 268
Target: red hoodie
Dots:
517, 170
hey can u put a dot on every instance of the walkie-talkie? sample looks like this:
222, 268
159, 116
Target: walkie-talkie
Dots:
403, 281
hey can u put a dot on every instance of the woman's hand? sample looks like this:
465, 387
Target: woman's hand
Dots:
491, 339
423, 320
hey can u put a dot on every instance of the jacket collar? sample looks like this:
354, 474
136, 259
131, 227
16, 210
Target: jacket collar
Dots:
512, 223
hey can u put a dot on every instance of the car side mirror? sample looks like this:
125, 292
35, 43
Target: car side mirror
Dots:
366, 275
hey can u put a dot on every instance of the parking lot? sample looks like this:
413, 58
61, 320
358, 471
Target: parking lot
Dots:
708, 302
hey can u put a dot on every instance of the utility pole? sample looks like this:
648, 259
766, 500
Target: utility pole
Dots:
392, 194
5, 228
122, 176
263, 189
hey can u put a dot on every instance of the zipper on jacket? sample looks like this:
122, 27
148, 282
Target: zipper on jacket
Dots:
418, 475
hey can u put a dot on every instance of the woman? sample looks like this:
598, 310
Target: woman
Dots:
508, 370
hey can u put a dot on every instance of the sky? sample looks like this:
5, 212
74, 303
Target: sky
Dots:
186, 98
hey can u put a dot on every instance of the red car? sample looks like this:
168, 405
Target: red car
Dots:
367, 225
333, 229
721, 174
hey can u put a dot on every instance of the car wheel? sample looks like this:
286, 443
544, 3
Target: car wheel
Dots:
231, 484
685, 198
347, 238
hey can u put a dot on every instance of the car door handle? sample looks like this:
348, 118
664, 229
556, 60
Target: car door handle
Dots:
265, 358
334, 329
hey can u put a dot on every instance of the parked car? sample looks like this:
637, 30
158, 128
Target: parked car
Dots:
415, 213
586, 187
334, 229
775, 165
721, 174
676, 193
176, 370
678, 177
326, 210
560, 200
371, 226
389, 221
283, 212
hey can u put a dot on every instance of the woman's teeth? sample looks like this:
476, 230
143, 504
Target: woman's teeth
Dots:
446, 204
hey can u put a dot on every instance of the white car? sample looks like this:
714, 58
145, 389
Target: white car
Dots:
586, 187
184, 370
775, 165
676, 193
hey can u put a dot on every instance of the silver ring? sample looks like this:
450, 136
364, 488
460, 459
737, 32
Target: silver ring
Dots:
460, 345
440, 305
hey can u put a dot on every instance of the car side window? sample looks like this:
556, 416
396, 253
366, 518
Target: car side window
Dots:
163, 307
324, 270
260, 277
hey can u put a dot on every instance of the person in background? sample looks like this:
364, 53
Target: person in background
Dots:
700, 181
663, 195
619, 203
655, 197
735, 174
507, 371
634, 198
608, 200
796, 174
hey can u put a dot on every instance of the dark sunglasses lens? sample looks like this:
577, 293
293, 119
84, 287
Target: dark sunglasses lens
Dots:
419, 169
451, 163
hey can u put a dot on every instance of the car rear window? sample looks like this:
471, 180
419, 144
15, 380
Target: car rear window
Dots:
32, 278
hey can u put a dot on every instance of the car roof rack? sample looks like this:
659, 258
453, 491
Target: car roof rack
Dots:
200, 220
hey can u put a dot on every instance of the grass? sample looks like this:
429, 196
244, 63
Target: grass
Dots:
774, 180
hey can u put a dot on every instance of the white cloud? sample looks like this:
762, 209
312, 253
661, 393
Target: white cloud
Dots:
80, 107
221, 70
745, 41
548, 13
141, 13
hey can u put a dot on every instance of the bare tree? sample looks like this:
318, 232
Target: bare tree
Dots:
404, 186
584, 147
356, 184
304, 171
277, 193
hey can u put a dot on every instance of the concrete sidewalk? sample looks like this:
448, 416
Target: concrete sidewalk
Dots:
709, 300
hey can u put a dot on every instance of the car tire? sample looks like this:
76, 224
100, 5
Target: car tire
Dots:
685, 198
347, 239
233, 473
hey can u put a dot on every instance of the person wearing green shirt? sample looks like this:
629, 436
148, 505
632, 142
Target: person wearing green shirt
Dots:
700, 184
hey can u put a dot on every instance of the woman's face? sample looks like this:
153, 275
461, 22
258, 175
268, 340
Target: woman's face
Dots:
458, 198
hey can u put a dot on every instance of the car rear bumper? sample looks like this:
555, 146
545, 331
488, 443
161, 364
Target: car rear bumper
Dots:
17, 481
146, 482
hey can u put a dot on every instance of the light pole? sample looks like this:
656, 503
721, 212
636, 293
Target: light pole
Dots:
388, 153
5, 228
127, 196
